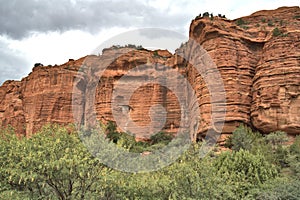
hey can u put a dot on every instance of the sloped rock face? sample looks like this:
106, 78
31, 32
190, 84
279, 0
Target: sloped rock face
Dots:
127, 92
276, 86
258, 58
47, 95
11, 106
44, 96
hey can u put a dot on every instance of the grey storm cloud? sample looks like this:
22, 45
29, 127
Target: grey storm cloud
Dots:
12, 64
19, 18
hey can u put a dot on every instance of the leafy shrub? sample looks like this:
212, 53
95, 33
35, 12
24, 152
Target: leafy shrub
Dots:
111, 132
161, 137
155, 53
296, 17
276, 32
270, 23
52, 163
294, 157
199, 16
245, 27
245, 166
243, 138
38, 64
281, 22
127, 141
138, 47
221, 16
241, 22
271, 145
244, 171
277, 189
206, 14
276, 138
295, 147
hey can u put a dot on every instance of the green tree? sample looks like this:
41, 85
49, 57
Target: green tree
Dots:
161, 137
244, 171
294, 158
276, 189
51, 163
243, 138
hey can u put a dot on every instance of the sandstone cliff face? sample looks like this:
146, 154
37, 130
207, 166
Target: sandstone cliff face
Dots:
45, 95
130, 107
11, 107
258, 58
42, 97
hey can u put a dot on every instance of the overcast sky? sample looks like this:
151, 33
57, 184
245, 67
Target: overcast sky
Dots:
52, 31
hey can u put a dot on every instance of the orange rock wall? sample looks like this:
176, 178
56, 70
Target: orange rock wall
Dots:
260, 71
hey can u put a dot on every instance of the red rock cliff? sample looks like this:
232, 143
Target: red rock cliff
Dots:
258, 57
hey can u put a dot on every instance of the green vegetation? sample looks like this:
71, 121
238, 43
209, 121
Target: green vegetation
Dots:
297, 17
276, 32
38, 65
128, 142
54, 164
132, 46
155, 54
245, 27
241, 22
50, 164
210, 15
221, 16
243, 138
270, 23
206, 14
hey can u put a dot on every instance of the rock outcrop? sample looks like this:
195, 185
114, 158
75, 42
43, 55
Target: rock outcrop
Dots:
44, 96
118, 86
258, 58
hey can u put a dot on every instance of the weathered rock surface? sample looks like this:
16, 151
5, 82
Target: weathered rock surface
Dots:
128, 91
258, 58
45, 95
42, 97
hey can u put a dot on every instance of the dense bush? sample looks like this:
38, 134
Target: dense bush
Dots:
51, 164
277, 189
294, 158
127, 141
243, 170
243, 138
54, 164
276, 32
241, 22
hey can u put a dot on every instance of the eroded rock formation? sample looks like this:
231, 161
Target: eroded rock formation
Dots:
258, 58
